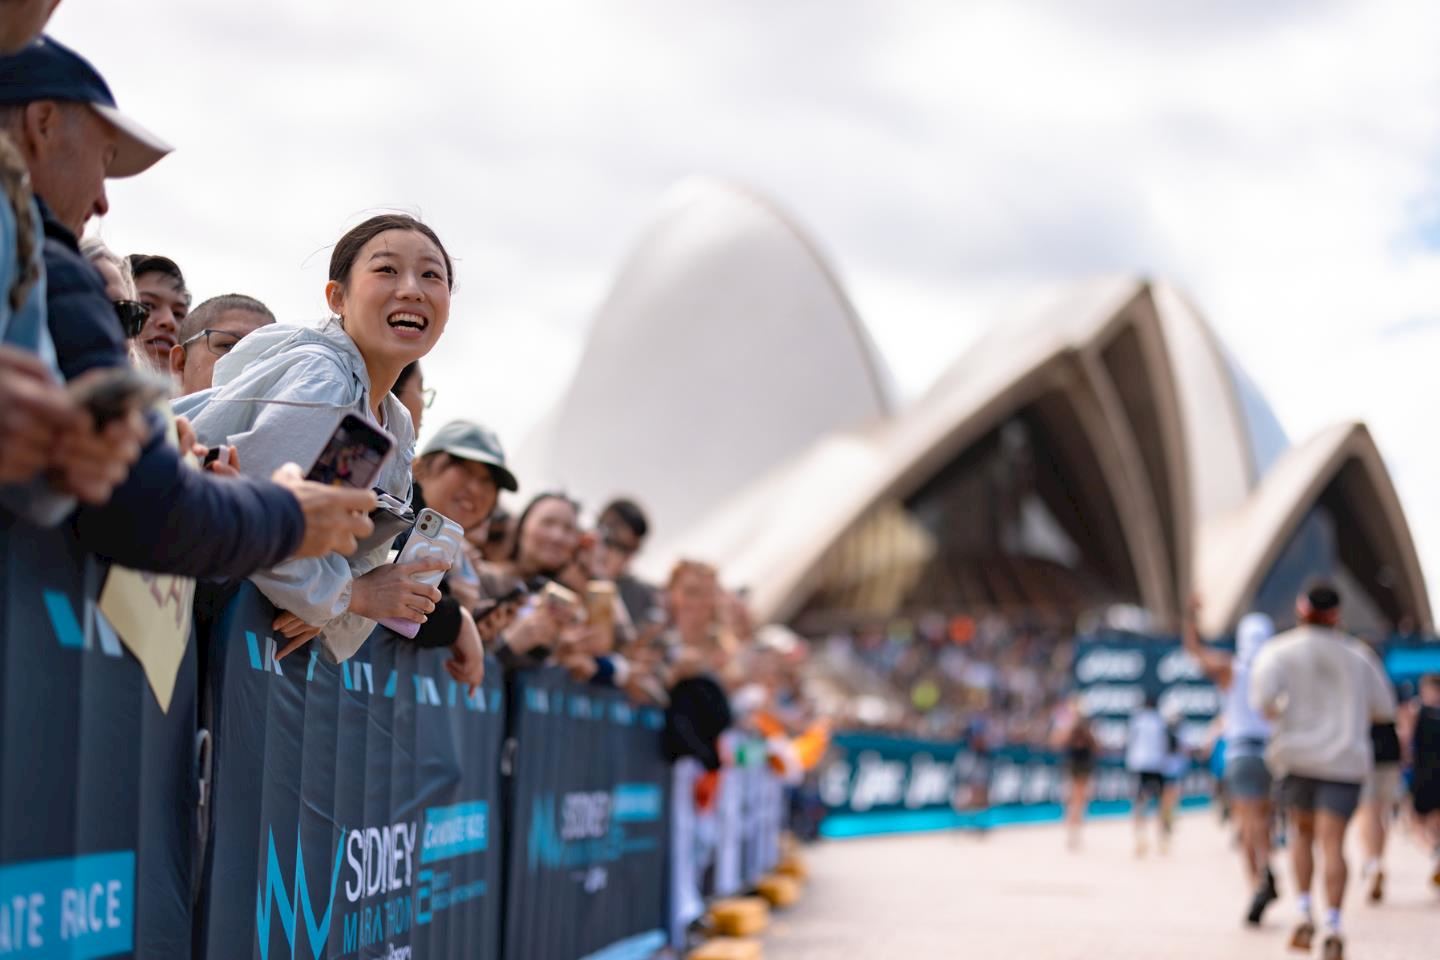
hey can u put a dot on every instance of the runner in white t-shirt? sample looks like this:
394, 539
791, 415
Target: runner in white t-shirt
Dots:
1147, 752
1321, 690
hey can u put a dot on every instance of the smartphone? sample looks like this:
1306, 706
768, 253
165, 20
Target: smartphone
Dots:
600, 605
562, 599
354, 455
117, 391
435, 537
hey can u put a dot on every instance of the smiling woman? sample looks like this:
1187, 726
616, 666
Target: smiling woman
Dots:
280, 392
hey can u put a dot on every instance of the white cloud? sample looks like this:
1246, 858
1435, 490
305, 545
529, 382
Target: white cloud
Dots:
1277, 160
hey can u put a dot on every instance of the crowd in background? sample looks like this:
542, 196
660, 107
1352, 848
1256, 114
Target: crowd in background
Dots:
994, 677
165, 430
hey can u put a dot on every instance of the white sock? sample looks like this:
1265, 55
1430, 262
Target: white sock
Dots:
1305, 905
1332, 920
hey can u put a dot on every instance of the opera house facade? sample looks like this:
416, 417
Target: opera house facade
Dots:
1104, 453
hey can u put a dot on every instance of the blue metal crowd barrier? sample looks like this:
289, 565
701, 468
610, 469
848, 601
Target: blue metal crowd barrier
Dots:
356, 806
96, 779
589, 819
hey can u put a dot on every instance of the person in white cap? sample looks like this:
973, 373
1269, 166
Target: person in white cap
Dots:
1247, 778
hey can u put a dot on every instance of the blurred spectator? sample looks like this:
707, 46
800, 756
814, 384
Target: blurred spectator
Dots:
210, 332
282, 390
547, 538
163, 517
410, 391
619, 535
161, 287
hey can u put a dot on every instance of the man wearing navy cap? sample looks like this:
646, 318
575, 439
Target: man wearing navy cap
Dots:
165, 517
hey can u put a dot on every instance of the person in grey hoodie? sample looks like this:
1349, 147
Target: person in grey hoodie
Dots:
281, 392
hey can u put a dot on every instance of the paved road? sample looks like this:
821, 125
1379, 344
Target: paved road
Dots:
1018, 895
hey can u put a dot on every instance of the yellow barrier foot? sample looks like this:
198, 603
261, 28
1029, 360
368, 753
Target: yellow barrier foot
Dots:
728, 948
780, 891
740, 917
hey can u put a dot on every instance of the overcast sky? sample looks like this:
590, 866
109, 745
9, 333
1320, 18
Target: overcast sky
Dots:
1280, 161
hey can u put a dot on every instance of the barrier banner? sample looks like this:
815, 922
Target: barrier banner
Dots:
96, 780
355, 807
1114, 673
589, 795
876, 783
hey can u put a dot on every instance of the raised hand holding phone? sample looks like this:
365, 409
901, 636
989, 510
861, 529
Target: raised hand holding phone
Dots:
436, 540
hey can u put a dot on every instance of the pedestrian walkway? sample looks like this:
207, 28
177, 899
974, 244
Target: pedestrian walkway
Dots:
1018, 894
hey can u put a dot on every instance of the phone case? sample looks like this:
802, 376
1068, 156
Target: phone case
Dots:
435, 537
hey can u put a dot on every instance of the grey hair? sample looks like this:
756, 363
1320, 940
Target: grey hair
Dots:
96, 251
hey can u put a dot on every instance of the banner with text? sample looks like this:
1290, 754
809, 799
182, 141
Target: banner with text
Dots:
589, 803
355, 806
96, 779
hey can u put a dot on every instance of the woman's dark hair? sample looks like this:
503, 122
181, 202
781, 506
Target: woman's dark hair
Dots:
342, 258
525, 515
411, 368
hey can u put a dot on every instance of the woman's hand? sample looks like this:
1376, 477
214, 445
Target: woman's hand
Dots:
467, 656
296, 632
393, 591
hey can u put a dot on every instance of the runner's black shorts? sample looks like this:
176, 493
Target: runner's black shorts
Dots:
1309, 794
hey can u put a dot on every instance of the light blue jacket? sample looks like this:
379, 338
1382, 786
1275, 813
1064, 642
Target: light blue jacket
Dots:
277, 397
26, 328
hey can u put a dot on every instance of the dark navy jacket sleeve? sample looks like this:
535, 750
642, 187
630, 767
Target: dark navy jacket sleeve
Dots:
165, 517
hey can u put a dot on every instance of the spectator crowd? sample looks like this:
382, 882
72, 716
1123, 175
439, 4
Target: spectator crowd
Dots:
168, 431
997, 678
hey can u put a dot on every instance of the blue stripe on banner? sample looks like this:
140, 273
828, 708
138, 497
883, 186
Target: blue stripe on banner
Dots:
1406, 664
76, 908
638, 947
844, 825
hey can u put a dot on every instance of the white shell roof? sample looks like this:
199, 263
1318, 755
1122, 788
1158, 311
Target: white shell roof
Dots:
726, 344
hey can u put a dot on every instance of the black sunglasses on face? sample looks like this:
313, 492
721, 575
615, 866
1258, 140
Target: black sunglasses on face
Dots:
132, 314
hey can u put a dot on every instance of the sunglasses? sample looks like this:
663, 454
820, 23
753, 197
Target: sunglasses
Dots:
132, 314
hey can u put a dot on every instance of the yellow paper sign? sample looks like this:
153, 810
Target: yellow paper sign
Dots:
152, 612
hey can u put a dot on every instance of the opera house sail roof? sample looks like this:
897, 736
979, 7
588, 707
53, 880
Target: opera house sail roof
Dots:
1105, 450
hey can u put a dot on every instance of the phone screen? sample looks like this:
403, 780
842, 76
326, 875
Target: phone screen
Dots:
353, 456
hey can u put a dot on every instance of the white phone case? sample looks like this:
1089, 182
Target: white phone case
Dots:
435, 537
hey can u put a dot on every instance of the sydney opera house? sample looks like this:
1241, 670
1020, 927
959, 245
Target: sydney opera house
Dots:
1105, 453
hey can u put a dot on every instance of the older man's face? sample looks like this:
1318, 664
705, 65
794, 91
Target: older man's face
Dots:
69, 149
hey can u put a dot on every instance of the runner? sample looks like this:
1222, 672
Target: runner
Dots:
1321, 690
1379, 799
1423, 729
1244, 732
1147, 747
1076, 739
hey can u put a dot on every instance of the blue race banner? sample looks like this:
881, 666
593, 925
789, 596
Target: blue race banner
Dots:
589, 797
1114, 673
97, 783
354, 806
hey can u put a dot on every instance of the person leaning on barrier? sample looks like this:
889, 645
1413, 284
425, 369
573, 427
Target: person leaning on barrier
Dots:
164, 517
209, 332
459, 474
281, 392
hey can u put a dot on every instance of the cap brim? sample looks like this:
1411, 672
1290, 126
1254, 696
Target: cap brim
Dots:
138, 149
502, 473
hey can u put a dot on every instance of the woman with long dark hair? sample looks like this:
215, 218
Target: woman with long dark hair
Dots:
280, 393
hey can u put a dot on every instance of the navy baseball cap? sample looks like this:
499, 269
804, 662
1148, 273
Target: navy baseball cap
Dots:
49, 70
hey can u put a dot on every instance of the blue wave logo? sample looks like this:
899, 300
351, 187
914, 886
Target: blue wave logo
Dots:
290, 905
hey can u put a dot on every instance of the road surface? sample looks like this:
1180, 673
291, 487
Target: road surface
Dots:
1018, 895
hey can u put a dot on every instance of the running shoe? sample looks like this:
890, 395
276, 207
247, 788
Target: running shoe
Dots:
1266, 895
1303, 937
1334, 948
